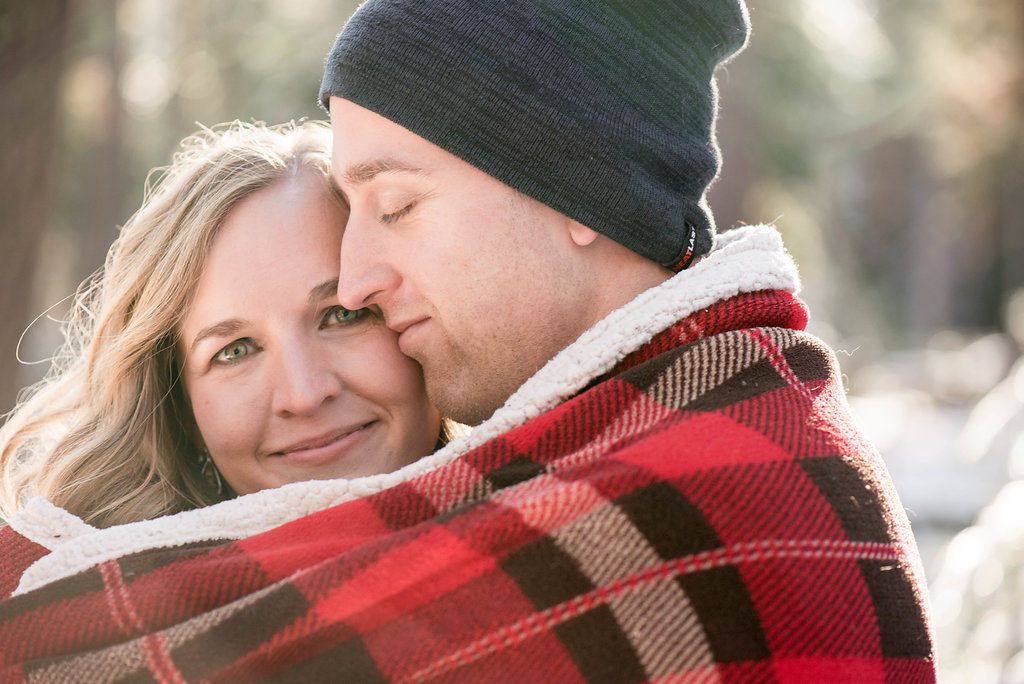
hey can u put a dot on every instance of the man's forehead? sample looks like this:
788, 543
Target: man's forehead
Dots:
371, 155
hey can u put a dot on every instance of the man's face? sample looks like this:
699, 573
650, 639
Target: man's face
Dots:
483, 284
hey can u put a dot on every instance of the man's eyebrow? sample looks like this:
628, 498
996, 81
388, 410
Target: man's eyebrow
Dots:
326, 289
364, 172
222, 329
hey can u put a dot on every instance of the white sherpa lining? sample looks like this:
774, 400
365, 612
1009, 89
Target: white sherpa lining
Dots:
745, 259
48, 525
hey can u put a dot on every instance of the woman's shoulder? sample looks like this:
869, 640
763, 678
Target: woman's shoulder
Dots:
33, 532
19, 553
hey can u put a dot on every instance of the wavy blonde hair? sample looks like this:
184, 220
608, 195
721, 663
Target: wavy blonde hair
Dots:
109, 433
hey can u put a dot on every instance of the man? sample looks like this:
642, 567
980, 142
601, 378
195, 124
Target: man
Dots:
525, 178
580, 188
663, 483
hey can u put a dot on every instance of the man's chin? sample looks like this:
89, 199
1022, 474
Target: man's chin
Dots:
462, 402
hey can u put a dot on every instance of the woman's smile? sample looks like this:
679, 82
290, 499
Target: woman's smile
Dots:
325, 449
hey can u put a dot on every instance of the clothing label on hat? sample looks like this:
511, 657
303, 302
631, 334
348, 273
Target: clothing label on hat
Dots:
687, 256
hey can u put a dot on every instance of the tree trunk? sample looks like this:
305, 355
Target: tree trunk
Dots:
33, 38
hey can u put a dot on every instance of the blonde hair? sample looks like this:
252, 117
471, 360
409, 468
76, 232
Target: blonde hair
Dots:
109, 433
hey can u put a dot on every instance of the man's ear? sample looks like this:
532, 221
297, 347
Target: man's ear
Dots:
580, 234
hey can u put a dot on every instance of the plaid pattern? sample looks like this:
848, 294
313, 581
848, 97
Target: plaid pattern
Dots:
16, 554
706, 512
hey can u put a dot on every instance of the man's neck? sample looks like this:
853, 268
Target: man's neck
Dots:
620, 276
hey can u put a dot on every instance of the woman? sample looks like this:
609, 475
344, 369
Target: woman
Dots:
210, 357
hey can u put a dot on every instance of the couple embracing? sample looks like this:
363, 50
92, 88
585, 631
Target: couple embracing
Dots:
464, 388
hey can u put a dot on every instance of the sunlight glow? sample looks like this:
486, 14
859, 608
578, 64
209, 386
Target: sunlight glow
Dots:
848, 32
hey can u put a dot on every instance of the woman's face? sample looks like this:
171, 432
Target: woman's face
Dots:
286, 385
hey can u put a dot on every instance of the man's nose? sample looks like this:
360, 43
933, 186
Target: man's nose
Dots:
365, 275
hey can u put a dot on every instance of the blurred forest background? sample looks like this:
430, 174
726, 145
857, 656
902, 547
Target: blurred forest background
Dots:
885, 139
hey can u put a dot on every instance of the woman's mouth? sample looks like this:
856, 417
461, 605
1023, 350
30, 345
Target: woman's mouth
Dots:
325, 448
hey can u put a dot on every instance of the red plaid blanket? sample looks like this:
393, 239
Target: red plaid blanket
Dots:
704, 512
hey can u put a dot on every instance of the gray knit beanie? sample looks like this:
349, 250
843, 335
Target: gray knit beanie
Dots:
602, 110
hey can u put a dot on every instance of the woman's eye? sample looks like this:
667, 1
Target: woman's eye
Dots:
395, 215
339, 314
234, 351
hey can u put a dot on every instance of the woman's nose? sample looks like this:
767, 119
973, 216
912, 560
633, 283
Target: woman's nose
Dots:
304, 380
